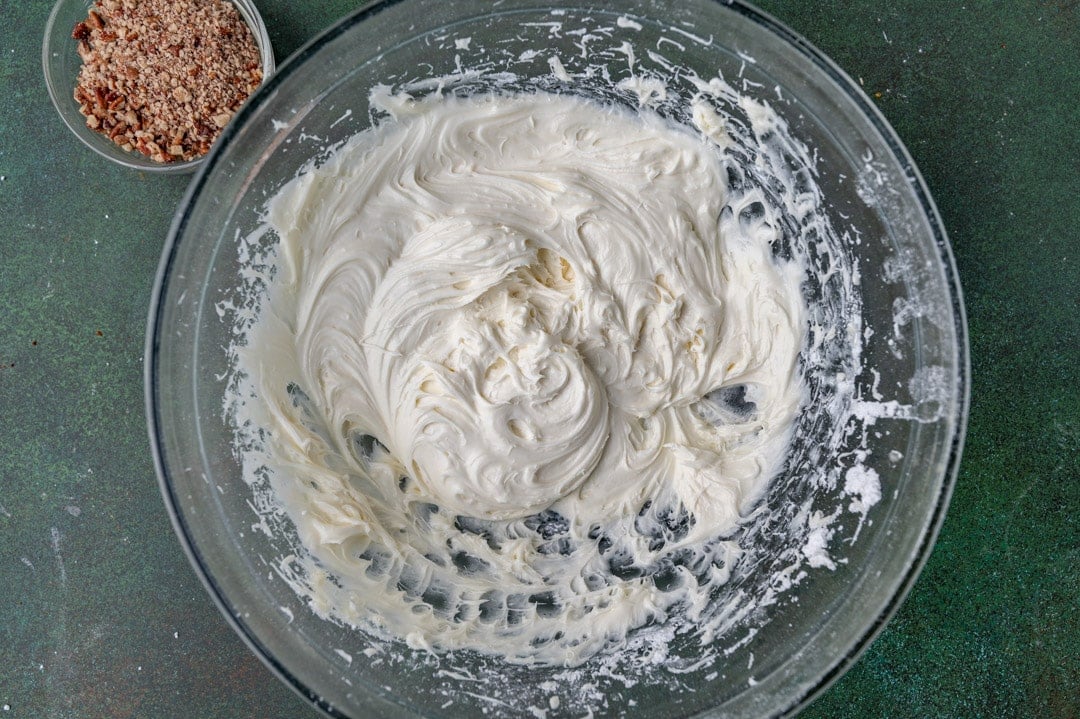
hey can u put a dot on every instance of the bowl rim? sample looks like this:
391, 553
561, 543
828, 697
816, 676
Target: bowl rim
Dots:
60, 91
838, 665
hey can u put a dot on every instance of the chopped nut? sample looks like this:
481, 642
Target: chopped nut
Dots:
173, 90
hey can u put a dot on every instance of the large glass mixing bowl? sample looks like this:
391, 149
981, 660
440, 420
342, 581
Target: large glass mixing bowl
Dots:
907, 412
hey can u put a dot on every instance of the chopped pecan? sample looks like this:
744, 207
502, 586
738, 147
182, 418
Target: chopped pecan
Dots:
179, 72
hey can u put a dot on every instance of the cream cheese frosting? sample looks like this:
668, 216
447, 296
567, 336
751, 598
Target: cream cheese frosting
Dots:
525, 364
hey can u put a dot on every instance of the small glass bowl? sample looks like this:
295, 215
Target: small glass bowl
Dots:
61, 63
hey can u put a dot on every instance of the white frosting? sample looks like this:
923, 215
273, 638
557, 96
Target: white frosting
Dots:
577, 357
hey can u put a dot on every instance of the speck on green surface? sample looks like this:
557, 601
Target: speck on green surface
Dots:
100, 614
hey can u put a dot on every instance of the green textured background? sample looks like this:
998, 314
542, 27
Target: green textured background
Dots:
100, 614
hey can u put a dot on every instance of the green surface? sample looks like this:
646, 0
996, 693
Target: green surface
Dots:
100, 614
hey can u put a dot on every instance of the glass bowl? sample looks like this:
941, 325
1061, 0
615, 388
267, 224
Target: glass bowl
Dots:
900, 324
61, 63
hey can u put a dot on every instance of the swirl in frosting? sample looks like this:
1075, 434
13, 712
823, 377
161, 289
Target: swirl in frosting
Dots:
527, 361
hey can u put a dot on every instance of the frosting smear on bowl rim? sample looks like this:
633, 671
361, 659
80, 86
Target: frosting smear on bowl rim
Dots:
525, 364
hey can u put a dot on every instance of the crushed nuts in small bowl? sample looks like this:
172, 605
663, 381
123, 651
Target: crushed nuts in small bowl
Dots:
150, 84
